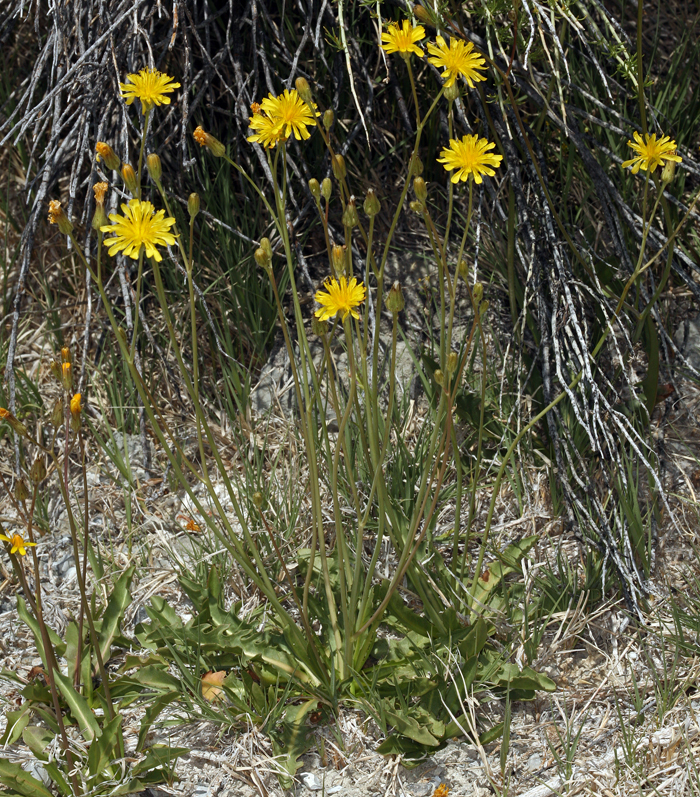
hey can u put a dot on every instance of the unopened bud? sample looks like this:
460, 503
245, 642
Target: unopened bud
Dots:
326, 188
439, 377
417, 207
452, 92
451, 363
262, 258
372, 205
266, 246
338, 259
217, 149
669, 172
154, 166
304, 90
57, 216
318, 327
21, 492
108, 155
463, 270
193, 205
57, 414
394, 300
328, 118
422, 15
415, 167
56, 370
483, 308
67, 376
478, 292
315, 188
65, 355
338, 164
350, 217
9, 418
38, 471
420, 189
129, 177
76, 406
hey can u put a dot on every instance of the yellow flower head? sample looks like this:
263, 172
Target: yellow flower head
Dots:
470, 157
75, 405
266, 131
403, 40
150, 86
340, 297
459, 59
651, 152
17, 544
441, 791
290, 113
139, 226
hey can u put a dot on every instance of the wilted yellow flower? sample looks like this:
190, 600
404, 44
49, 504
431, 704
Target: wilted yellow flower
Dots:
17, 425
150, 86
17, 543
403, 40
204, 139
457, 59
290, 113
100, 189
108, 155
651, 152
340, 297
139, 226
441, 791
57, 216
470, 157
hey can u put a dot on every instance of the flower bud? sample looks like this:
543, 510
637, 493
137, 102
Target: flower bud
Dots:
478, 292
318, 327
452, 92
57, 414
439, 377
394, 300
108, 155
217, 149
483, 308
420, 189
65, 355
304, 90
415, 166
262, 258
328, 118
338, 164
21, 492
372, 205
56, 370
154, 166
67, 376
76, 406
9, 418
315, 188
451, 363
422, 15
338, 259
417, 207
99, 219
258, 497
129, 177
350, 217
193, 205
57, 216
669, 172
38, 471
326, 188
267, 247
463, 270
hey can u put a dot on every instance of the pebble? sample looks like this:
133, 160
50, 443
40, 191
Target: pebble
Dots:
534, 762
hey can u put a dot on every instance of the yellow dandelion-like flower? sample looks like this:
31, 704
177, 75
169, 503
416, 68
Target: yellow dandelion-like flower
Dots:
441, 791
291, 113
150, 86
403, 39
470, 156
267, 132
459, 59
651, 152
340, 297
17, 543
139, 226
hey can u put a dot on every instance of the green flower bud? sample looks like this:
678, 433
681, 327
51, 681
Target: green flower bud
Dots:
483, 308
315, 188
328, 119
262, 258
304, 90
338, 164
129, 177
417, 207
258, 497
154, 166
415, 167
267, 246
463, 270
350, 217
452, 92
478, 292
57, 414
56, 370
439, 377
451, 363
38, 472
372, 205
669, 172
338, 259
326, 188
420, 189
193, 205
21, 492
394, 300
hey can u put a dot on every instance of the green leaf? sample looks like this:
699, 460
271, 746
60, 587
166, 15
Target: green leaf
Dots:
20, 781
408, 726
59, 780
491, 734
291, 736
37, 739
104, 749
411, 752
157, 756
17, 721
151, 714
79, 708
114, 613
28, 618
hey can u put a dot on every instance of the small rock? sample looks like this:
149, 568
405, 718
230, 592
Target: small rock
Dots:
534, 762
311, 781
